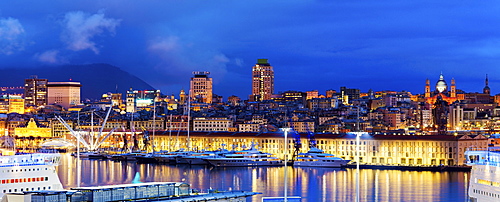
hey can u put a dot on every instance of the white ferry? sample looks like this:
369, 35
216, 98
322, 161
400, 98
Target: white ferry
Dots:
484, 182
317, 158
251, 157
29, 172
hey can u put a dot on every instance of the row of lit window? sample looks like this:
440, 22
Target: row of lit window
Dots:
488, 182
25, 170
485, 193
21, 180
27, 189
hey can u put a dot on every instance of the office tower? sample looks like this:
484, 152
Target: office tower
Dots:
262, 81
201, 87
65, 94
35, 91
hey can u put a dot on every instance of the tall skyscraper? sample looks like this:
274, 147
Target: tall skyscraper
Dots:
65, 94
35, 91
201, 87
262, 81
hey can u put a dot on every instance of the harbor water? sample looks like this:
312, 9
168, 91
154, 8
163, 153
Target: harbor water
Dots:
312, 184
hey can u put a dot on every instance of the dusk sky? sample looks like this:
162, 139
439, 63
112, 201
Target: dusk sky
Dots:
313, 45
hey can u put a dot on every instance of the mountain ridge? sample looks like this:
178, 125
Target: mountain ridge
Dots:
96, 78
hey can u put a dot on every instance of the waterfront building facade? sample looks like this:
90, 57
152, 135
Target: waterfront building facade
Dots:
212, 124
262, 81
407, 150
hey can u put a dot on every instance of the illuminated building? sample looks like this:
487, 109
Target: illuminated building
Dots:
442, 91
330, 93
262, 81
137, 99
212, 124
32, 130
114, 98
201, 87
182, 97
11, 104
312, 94
349, 94
35, 91
64, 94
414, 150
234, 100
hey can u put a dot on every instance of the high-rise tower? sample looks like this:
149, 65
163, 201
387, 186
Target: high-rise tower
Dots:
201, 87
35, 91
262, 81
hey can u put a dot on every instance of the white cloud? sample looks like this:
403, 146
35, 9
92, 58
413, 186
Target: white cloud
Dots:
81, 27
11, 36
168, 44
50, 56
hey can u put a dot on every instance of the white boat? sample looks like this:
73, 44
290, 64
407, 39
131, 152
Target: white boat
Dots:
199, 158
317, 158
251, 157
92, 155
29, 172
484, 182
169, 157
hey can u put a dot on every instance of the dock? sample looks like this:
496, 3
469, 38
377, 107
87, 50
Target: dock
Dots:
412, 168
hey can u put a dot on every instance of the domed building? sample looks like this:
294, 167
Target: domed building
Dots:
441, 90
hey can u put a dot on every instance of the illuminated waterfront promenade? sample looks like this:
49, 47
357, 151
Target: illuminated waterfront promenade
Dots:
312, 184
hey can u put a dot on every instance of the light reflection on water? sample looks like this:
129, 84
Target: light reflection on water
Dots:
312, 184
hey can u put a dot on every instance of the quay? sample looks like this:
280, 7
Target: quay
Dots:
411, 168
150, 191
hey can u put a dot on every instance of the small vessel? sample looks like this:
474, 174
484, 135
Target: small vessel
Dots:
92, 155
485, 174
199, 158
170, 157
250, 157
317, 158
28, 172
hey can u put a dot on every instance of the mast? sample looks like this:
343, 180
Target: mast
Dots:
189, 112
170, 133
154, 124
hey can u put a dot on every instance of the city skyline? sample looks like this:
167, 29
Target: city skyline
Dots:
312, 45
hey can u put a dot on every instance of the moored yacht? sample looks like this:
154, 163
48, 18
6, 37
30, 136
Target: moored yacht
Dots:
484, 182
317, 158
29, 172
169, 157
251, 157
199, 158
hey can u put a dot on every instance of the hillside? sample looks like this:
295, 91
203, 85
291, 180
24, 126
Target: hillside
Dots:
96, 79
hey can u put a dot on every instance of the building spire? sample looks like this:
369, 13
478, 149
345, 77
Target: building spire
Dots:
486, 89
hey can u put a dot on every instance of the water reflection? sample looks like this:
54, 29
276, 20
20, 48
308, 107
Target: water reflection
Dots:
313, 184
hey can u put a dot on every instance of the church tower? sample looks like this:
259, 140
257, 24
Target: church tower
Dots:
486, 89
453, 88
427, 88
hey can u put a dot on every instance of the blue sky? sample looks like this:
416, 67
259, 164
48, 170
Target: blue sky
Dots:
313, 45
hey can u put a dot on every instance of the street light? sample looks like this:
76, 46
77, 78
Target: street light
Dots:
358, 136
286, 130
